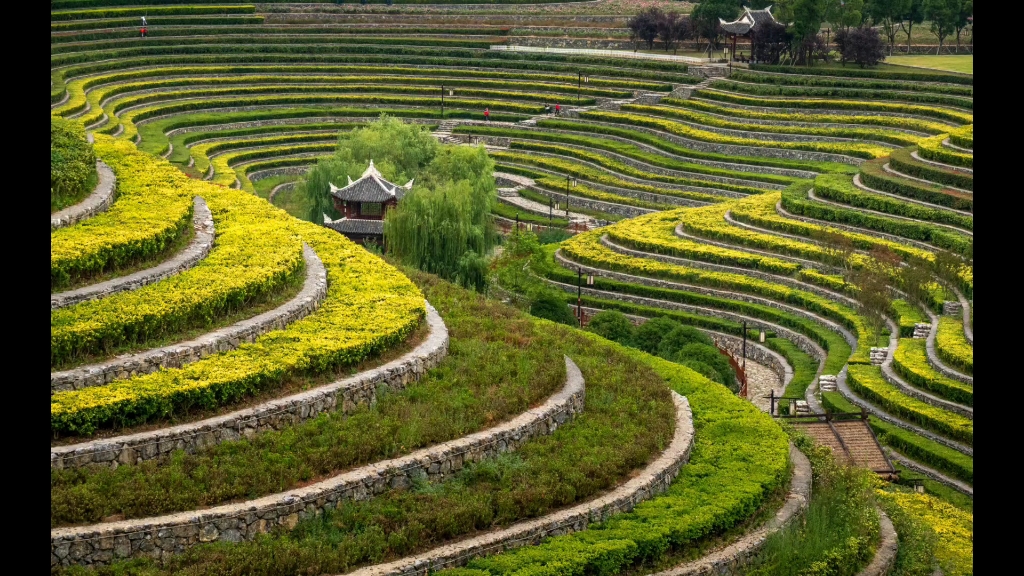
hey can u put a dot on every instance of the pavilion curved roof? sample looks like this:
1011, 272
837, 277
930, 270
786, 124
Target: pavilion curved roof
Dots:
370, 187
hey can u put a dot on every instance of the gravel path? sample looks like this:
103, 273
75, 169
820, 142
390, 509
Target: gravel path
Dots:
761, 380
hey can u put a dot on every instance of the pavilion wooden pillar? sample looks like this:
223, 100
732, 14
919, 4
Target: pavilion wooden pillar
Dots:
733, 46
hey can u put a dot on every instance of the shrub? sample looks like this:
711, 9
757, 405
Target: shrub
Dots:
613, 325
863, 46
72, 163
551, 305
648, 336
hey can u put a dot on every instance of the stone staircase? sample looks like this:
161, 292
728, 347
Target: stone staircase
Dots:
827, 383
851, 441
444, 132
952, 308
878, 355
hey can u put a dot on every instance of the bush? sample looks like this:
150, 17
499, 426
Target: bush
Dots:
648, 336
551, 305
72, 163
861, 45
613, 325
708, 355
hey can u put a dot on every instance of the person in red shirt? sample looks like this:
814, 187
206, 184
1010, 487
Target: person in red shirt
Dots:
558, 109
487, 114
143, 31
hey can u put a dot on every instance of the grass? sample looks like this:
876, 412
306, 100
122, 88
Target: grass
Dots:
628, 418
962, 63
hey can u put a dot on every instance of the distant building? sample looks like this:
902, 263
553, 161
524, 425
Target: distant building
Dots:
363, 204
746, 25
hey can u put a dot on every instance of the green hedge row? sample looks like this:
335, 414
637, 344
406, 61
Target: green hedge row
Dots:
826, 104
265, 32
913, 446
101, 26
812, 92
963, 136
932, 149
852, 72
150, 10
841, 189
874, 176
866, 133
72, 163
902, 161
627, 150
825, 338
841, 82
66, 4
679, 150
911, 362
738, 460
867, 381
952, 346
908, 316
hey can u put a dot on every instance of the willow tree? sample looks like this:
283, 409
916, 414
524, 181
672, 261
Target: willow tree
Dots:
443, 226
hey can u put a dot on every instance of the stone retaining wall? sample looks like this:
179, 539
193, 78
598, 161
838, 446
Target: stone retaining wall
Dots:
756, 352
730, 269
283, 171
175, 533
885, 556
101, 197
733, 559
314, 290
345, 395
597, 205
653, 480
197, 249
759, 300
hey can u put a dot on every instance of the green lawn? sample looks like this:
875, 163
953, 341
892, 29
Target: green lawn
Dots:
960, 63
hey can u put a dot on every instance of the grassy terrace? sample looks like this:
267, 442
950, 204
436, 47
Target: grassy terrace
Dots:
735, 185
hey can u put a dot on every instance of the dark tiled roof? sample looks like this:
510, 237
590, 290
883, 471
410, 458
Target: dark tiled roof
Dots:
761, 16
739, 28
357, 226
371, 187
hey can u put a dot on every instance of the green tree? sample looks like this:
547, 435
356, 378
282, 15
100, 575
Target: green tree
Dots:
705, 18
709, 355
944, 15
807, 18
613, 325
888, 14
913, 15
842, 14
551, 305
315, 186
679, 337
964, 15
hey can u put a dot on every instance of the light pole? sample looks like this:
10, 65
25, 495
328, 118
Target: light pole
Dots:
551, 210
744, 346
569, 181
580, 79
579, 295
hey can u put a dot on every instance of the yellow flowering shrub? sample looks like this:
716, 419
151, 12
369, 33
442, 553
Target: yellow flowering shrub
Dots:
369, 307
954, 528
952, 346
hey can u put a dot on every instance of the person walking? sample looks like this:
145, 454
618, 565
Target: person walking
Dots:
143, 21
487, 114
143, 31
558, 109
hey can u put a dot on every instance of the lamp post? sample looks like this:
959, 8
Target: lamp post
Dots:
744, 346
569, 181
551, 210
580, 79
450, 93
579, 295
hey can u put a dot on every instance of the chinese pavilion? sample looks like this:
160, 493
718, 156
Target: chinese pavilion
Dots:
363, 204
746, 24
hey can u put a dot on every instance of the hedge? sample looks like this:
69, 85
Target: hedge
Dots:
855, 149
908, 315
841, 82
201, 152
911, 362
149, 10
903, 162
158, 215
871, 134
932, 149
624, 149
923, 76
841, 189
874, 176
133, 23
963, 136
823, 104
915, 124
72, 164
369, 308
815, 92
161, 29
738, 460
952, 346
867, 381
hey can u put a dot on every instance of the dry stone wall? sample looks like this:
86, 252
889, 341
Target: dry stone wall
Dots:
653, 480
98, 201
198, 248
345, 395
174, 533
314, 290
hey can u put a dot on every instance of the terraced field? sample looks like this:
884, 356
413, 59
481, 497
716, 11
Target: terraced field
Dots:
235, 389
